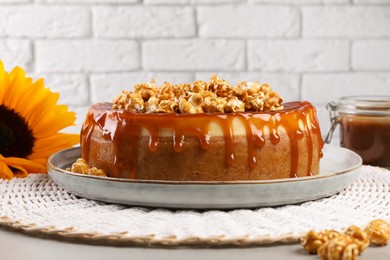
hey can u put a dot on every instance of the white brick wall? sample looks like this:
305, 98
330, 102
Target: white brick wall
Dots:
193, 55
302, 1
16, 53
143, 22
323, 88
298, 55
86, 56
346, 21
15, 1
248, 21
70, 86
371, 55
44, 22
88, 50
171, 2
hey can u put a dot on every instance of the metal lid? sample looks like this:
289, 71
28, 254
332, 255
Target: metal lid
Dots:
364, 105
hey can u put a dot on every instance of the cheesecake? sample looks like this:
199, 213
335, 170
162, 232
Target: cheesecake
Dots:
204, 131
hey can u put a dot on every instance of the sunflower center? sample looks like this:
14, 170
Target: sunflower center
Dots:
16, 138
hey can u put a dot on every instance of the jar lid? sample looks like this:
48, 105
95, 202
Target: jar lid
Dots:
364, 105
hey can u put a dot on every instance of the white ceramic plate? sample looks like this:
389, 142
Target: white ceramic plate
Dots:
339, 168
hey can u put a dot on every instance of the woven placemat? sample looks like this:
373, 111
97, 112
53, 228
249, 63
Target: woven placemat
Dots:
36, 205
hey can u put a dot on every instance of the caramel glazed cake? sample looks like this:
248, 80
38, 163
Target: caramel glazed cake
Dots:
204, 131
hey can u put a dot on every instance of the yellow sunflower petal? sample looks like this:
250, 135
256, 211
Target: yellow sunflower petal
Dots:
30, 166
41, 157
17, 98
43, 107
34, 107
28, 102
61, 109
5, 171
41, 160
55, 123
3, 81
60, 139
57, 110
21, 172
17, 85
46, 147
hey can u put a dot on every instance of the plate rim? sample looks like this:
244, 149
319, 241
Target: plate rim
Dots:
353, 168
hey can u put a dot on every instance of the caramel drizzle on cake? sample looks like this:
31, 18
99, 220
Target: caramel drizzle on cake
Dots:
126, 128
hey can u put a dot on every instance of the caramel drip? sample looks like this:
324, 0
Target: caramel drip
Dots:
125, 129
293, 134
229, 140
309, 147
316, 129
86, 131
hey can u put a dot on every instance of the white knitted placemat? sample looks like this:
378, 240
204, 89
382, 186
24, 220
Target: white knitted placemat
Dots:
38, 206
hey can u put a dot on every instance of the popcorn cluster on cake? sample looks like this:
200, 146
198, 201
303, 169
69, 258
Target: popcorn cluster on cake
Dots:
215, 96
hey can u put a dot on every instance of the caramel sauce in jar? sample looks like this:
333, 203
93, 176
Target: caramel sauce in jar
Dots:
365, 127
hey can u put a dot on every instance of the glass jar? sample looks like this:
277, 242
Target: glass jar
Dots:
364, 127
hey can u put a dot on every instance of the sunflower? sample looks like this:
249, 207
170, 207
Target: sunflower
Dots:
30, 121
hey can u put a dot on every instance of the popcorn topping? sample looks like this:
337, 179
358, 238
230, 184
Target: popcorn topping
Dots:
217, 95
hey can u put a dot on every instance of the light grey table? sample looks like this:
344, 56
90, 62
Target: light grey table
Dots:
15, 246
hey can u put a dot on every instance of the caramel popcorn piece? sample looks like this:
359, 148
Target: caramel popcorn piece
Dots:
235, 105
96, 172
145, 90
166, 92
247, 89
198, 86
313, 240
219, 86
217, 95
342, 247
151, 105
214, 104
121, 100
331, 245
273, 101
129, 101
196, 99
255, 103
136, 102
266, 89
359, 237
166, 106
81, 166
378, 232
189, 108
